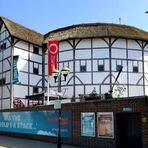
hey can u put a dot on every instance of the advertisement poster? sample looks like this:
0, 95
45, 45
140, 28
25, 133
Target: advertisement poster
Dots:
36, 122
105, 124
88, 124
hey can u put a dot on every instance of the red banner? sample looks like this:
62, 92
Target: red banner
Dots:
53, 47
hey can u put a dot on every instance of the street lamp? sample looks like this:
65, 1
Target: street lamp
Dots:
57, 74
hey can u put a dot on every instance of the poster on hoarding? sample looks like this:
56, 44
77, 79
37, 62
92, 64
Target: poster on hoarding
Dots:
37, 122
105, 124
88, 124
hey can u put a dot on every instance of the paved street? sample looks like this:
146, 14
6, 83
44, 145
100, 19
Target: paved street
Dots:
12, 142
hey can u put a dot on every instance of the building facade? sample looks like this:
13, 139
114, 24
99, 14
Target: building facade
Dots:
94, 54
16, 46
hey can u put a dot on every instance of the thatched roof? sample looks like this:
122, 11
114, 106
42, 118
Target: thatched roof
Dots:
21, 32
75, 31
97, 30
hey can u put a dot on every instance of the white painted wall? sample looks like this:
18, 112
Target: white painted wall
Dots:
85, 43
68, 55
135, 90
63, 46
97, 42
118, 53
120, 43
35, 58
6, 104
22, 45
6, 93
100, 53
20, 91
132, 44
5, 68
22, 53
7, 52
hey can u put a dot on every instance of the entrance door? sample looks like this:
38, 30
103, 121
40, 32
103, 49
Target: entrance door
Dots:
129, 130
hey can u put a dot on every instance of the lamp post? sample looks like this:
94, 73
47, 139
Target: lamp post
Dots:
57, 74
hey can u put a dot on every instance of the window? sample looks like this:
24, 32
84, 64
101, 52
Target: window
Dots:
135, 69
35, 70
118, 67
3, 46
35, 89
100, 67
2, 81
35, 50
82, 68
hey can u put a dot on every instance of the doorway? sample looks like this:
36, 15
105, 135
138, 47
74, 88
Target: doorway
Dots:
129, 130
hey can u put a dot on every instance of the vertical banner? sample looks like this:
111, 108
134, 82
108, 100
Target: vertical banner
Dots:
88, 124
105, 125
15, 70
52, 55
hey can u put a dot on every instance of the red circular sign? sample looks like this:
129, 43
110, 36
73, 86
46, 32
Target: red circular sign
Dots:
53, 48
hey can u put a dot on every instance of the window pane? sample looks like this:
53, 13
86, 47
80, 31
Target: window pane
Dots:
118, 67
35, 89
135, 69
35, 70
100, 67
82, 68
3, 46
36, 50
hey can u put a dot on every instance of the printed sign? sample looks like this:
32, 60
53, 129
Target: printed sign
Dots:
88, 124
105, 124
37, 122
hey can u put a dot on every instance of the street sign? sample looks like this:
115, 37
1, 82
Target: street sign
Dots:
57, 104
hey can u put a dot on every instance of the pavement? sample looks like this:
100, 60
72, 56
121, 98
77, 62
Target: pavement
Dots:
13, 142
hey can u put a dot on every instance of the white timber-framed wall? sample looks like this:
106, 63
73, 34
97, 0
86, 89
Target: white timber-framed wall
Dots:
29, 66
5, 67
95, 62
94, 54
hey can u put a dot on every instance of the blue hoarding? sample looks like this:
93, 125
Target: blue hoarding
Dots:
36, 122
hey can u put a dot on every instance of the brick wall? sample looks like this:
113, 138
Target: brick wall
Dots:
138, 105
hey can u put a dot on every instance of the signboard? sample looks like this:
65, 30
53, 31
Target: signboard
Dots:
127, 109
37, 122
105, 124
88, 124
57, 104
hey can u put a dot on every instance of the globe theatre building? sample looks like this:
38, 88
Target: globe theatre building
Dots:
95, 53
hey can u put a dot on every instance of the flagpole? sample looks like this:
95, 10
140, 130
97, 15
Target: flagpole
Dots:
47, 103
52, 61
11, 76
48, 90
12, 91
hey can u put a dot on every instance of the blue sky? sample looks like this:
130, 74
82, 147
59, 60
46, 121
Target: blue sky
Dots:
46, 15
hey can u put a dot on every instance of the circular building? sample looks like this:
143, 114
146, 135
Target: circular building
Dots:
96, 52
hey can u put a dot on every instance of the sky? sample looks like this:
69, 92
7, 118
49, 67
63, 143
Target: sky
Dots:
46, 15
